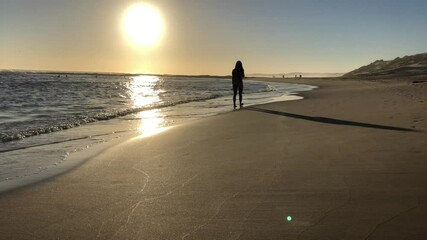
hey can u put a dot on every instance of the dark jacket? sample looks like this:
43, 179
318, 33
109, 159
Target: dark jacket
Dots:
238, 76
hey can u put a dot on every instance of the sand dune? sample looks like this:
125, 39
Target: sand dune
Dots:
413, 65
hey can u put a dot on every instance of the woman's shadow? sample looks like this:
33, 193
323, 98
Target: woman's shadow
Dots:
330, 120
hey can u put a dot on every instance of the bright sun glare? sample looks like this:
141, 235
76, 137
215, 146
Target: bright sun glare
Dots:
143, 24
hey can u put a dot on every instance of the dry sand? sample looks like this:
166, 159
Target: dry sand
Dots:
347, 162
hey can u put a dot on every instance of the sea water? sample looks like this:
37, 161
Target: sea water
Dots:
45, 117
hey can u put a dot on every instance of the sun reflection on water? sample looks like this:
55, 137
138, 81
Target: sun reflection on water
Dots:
144, 92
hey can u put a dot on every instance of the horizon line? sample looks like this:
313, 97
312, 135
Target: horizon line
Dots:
154, 74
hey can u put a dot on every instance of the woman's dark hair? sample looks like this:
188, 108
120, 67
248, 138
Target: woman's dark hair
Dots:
239, 66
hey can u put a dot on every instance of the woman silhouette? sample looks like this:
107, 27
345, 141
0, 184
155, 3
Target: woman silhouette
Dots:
238, 75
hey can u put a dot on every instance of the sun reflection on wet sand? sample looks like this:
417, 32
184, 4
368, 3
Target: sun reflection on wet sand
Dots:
144, 93
152, 122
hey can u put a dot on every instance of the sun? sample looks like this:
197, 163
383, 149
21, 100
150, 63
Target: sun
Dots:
143, 24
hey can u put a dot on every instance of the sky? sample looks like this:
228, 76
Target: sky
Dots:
207, 37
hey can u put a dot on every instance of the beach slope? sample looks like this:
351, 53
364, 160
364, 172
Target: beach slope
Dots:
347, 162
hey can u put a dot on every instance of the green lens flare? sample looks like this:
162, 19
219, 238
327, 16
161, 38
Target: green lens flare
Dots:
289, 218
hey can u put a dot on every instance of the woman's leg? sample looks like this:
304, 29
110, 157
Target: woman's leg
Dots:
234, 94
240, 93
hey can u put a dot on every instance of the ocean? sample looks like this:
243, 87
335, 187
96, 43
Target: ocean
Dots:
45, 117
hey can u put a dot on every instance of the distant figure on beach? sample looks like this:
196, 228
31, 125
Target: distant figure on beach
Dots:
237, 79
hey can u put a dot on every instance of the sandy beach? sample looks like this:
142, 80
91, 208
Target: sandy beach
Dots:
347, 162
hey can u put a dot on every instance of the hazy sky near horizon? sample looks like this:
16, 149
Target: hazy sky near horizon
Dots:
208, 36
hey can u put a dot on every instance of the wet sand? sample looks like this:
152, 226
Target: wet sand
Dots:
347, 162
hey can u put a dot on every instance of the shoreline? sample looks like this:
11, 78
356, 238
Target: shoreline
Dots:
79, 156
242, 173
